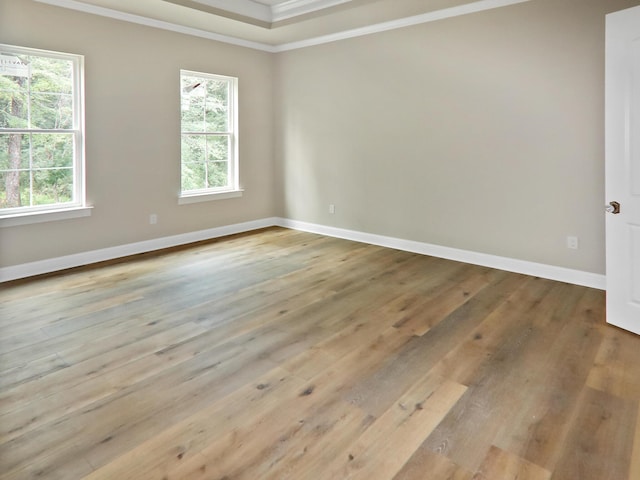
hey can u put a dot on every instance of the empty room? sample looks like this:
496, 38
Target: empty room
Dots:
319, 239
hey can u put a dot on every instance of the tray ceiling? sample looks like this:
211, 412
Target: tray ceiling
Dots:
278, 25
268, 11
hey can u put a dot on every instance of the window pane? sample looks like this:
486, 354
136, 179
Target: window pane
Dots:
193, 155
193, 104
193, 176
53, 185
217, 148
208, 105
51, 75
13, 101
14, 151
51, 110
217, 161
205, 105
51, 163
51, 88
14, 189
36, 92
218, 174
217, 106
193, 115
52, 150
193, 148
189, 83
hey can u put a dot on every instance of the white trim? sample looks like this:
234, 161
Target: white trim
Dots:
86, 258
44, 216
474, 7
186, 199
561, 274
271, 13
246, 8
232, 188
295, 8
57, 211
150, 22
577, 277
442, 14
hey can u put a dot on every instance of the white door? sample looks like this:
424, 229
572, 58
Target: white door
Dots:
623, 168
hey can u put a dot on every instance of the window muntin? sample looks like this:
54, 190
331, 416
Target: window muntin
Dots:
41, 137
209, 153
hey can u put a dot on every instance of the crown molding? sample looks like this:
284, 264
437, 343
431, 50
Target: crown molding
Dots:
151, 22
247, 8
436, 15
271, 14
294, 8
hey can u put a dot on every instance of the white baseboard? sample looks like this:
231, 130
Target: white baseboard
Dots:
551, 272
86, 258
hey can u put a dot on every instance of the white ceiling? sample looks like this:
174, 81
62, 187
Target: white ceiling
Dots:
266, 12
270, 2
278, 25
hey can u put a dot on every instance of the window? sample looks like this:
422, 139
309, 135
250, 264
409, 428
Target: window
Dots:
209, 142
41, 131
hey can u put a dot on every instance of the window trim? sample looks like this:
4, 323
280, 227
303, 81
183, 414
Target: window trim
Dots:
233, 188
209, 196
78, 207
46, 216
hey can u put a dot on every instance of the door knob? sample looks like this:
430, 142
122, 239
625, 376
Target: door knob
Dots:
613, 207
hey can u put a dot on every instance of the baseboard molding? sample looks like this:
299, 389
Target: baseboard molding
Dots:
86, 258
551, 272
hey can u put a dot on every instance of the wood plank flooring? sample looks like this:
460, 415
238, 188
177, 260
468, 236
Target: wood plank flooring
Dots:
287, 355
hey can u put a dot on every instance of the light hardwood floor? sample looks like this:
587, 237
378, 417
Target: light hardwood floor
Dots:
288, 355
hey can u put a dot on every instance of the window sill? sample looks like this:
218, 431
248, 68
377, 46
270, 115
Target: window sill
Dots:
45, 216
208, 197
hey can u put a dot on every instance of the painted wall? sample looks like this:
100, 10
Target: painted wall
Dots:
132, 130
483, 132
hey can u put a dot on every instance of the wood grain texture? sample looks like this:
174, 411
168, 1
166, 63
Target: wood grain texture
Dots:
506, 466
287, 355
635, 456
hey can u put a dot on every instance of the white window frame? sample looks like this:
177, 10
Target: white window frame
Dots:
232, 189
77, 207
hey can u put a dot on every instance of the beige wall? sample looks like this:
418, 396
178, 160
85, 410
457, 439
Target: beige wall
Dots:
483, 132
132, 120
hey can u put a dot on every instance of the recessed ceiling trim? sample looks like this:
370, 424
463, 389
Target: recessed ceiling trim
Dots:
152, 22
196, 5
273, 13
442, 14
247, 8
445, 13
293, 8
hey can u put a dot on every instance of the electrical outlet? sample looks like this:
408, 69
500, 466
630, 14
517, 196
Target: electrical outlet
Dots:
332, 209
153, 219
572, 243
